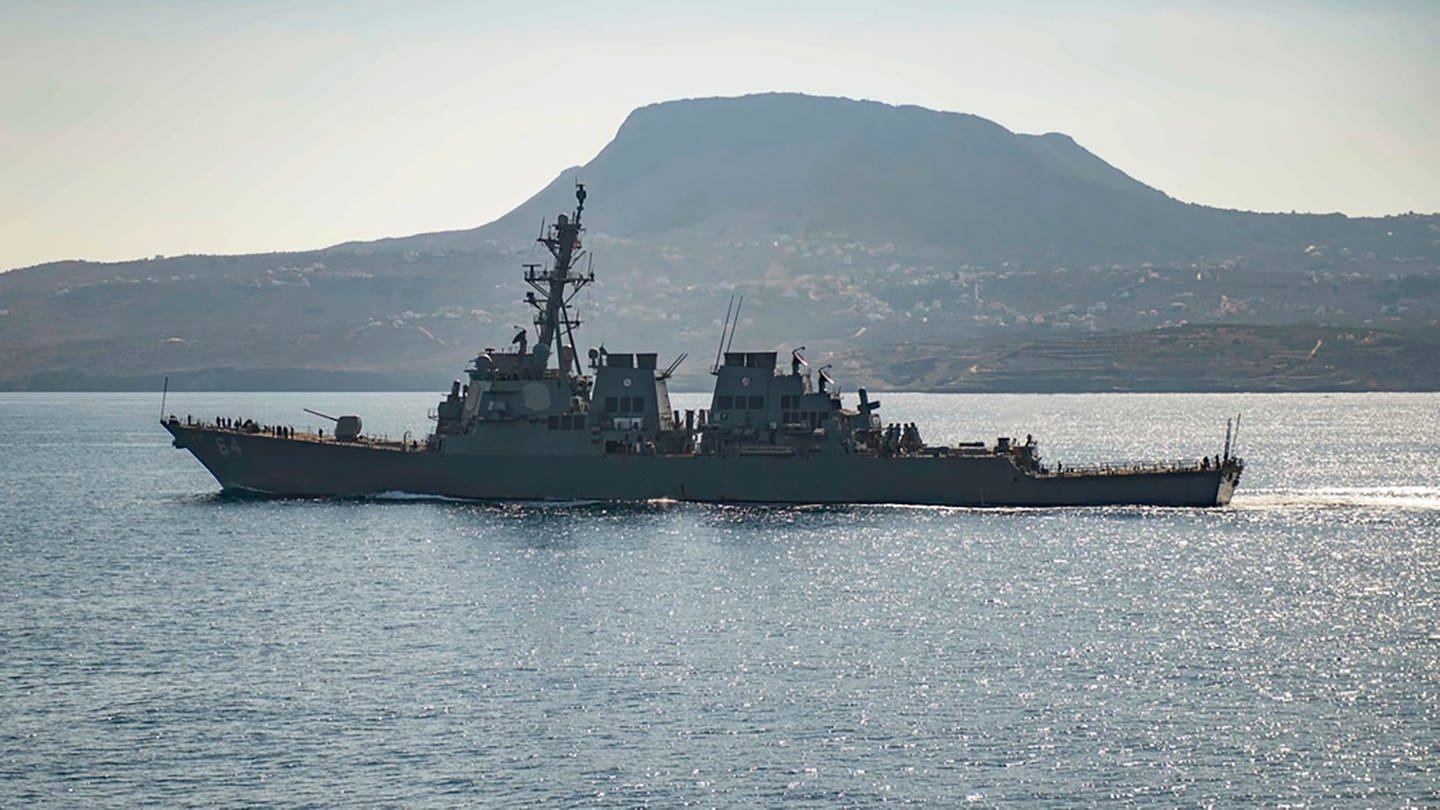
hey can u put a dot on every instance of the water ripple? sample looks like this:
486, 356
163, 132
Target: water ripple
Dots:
161, 644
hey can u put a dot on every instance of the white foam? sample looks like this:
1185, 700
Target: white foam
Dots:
1418, 498
397, 495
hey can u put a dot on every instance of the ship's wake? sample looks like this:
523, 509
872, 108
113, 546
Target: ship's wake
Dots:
558, 503
1411, 498
397, 495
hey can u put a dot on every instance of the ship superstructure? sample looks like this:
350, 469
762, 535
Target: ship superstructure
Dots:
537, 422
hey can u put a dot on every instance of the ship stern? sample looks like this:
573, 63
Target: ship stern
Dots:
1229, 480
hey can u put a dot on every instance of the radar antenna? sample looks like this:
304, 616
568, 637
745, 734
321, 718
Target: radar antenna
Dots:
556, 287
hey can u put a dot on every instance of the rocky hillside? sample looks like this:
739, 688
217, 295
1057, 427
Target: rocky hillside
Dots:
855, 225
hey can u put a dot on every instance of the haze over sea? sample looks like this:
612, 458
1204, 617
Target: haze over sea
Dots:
162, 644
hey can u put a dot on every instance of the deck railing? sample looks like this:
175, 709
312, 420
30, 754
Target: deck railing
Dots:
1127, 467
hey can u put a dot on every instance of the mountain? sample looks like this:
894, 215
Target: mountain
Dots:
782, 164
854, 225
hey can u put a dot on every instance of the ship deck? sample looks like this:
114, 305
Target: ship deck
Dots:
282, 433
285, 433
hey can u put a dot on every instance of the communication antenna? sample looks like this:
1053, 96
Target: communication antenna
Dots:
665, 375
724, 327
163, 392
735, 323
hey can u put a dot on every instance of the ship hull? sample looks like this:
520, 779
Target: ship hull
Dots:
269, 465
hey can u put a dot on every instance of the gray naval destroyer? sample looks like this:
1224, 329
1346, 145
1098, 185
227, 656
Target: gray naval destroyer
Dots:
531, 423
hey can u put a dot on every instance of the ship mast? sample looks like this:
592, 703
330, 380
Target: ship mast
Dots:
556, 287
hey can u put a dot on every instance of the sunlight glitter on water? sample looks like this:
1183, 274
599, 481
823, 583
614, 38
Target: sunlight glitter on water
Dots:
164, 645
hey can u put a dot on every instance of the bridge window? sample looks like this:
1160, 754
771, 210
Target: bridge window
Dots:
610, 405
757, 403
724, 402
566, 421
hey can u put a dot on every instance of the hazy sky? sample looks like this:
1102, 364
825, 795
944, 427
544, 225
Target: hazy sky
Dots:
134, 128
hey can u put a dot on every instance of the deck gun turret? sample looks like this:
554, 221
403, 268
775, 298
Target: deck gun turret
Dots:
347, 428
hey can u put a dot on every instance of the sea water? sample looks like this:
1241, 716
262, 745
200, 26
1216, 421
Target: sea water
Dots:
161, 644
